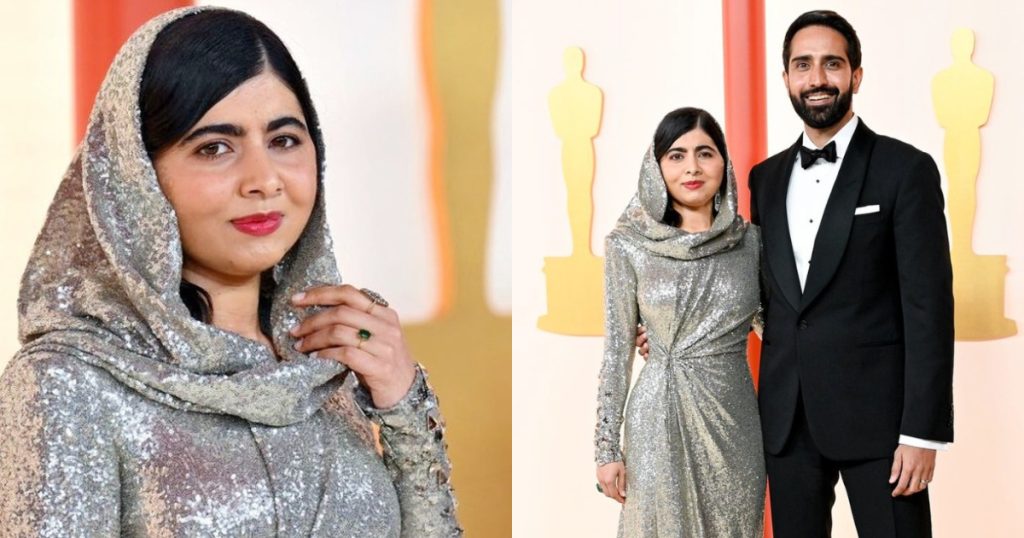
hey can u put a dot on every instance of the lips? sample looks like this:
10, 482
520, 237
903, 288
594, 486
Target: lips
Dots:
259, 224
693, 185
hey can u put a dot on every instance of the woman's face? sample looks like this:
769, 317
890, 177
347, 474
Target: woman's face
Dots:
693, 170
242, 182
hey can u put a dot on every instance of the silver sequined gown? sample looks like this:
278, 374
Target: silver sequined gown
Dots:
691, 439
123, 416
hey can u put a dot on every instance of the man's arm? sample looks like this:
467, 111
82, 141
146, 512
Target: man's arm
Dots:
926, 295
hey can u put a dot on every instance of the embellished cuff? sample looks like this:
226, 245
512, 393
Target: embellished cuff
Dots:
607, 455
415, 453
399, 415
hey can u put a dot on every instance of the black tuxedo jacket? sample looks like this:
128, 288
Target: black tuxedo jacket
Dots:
868, 344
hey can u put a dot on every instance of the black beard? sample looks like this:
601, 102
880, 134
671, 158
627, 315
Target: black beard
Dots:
823, 117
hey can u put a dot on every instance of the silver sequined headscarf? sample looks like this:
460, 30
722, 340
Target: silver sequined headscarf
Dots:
642, 218
102, 281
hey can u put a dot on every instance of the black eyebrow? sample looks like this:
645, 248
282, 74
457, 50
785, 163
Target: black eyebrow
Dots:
285, 121
217, 128
683, 150
228, 129
827, 58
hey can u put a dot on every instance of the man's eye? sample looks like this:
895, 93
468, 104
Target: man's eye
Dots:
285, 141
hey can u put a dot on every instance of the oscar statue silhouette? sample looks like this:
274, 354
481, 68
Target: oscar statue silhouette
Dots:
962, 97
575, 283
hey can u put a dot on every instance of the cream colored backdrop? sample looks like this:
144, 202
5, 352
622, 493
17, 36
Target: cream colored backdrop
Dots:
647, 57
653, 56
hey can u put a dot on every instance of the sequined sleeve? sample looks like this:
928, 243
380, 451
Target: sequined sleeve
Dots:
58, 469
619, 342
416, 455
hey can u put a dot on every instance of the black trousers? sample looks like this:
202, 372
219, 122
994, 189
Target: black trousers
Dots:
802, 484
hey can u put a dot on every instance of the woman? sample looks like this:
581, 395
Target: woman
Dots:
684, 264
187, 344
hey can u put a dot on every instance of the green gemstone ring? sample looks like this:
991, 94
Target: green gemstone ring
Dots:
364, 334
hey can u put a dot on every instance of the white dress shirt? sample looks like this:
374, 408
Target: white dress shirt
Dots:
808, 193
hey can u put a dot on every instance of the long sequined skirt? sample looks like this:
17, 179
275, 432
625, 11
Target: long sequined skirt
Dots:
692, 450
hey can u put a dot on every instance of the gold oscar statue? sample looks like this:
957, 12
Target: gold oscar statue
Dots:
575, 284
962, 96
467, 346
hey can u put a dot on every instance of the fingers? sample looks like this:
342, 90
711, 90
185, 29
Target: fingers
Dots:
343, 295
641, 341
611, 490
622, 484
901, 485
344, 315
914, 468
897, 466
612, 479
343, 336
356, 359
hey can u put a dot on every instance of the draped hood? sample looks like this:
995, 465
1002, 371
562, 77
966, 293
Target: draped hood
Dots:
641, 221
102, 283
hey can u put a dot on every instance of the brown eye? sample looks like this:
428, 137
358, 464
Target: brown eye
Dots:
284, 142
213, 150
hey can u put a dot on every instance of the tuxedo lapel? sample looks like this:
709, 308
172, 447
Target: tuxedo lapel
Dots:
775, 228
834, 232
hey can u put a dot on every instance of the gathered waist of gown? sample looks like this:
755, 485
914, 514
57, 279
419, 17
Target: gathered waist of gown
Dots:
677, 355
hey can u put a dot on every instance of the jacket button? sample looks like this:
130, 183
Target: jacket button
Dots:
802, 324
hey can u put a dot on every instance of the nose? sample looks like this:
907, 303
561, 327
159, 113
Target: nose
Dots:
260, 177
691, 166
816, 77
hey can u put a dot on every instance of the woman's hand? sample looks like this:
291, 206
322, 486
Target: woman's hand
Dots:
361, 334
612, 479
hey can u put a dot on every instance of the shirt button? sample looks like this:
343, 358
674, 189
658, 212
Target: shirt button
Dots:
812, 221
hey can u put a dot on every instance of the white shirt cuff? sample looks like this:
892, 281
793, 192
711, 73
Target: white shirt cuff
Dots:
923, 443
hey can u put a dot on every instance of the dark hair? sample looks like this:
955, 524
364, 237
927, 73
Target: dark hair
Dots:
195, 62
677, 123
828, 19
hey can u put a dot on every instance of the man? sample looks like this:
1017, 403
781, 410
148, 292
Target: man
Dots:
857, 357
857, 349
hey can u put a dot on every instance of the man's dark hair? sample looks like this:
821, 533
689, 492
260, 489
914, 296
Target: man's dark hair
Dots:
828, 19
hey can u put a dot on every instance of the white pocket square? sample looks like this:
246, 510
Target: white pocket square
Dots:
864, 210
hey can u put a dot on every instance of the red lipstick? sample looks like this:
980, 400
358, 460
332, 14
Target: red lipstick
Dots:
259, 224
693, 185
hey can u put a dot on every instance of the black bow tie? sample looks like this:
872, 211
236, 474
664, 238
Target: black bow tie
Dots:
810, 156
